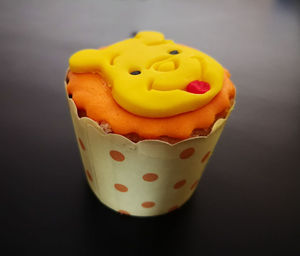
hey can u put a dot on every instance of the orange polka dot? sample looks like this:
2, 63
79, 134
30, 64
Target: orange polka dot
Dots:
187, 153
81, 144
148, 204
179, 184
173, 208
89, 175
205, 157
121, 188
124, 212
194, 184
150, 177
116, 155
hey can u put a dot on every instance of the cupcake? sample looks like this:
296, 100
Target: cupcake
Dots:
147, 114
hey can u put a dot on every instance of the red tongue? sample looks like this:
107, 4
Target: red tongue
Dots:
198, 87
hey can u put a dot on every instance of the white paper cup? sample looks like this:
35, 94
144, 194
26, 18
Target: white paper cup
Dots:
147, 178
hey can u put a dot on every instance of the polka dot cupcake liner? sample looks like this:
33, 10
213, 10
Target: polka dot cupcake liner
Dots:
147, 178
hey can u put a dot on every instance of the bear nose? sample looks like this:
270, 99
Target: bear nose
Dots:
166, 66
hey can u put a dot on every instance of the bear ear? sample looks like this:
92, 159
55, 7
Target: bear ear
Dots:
88, 60
150, 37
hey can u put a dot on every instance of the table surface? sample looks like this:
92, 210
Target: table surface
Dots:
248, 199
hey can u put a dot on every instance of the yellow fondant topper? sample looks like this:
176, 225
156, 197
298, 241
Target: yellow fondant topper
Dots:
153, 77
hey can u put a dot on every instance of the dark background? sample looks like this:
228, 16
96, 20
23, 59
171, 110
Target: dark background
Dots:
247, 202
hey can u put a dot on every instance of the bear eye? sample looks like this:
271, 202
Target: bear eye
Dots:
174, 52
136, 72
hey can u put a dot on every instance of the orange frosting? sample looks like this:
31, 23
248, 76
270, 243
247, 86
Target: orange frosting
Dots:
91, 93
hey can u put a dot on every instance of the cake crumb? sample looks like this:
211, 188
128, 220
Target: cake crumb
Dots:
105, 126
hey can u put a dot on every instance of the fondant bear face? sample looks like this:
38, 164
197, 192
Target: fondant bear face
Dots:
153, 77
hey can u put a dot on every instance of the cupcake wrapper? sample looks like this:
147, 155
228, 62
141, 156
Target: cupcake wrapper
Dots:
147, 178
